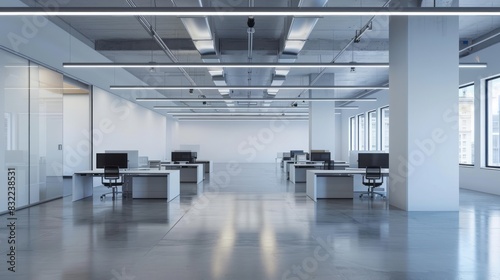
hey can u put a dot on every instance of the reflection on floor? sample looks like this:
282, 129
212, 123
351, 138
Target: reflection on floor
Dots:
247, 222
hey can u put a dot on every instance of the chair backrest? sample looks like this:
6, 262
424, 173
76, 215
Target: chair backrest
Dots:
373, 172
111, 173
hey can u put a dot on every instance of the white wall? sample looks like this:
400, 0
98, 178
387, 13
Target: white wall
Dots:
119, 124
478, 177
243, 141
76, 139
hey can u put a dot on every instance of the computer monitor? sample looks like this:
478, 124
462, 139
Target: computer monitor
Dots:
300, 157
132, 156
295, 152
373, 159
111, 159
186, 156
320, 156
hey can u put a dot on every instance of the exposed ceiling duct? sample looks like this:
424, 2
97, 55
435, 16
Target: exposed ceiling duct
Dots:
200, 32
298, 33
152, 31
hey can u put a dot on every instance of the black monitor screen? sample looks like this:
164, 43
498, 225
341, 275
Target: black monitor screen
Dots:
112, 159
296, 152
323, 156
373, 159
184, 156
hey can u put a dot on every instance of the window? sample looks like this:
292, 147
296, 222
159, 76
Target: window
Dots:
361, 132
492, 122
384, 131
372, 130
466, 120
352, 134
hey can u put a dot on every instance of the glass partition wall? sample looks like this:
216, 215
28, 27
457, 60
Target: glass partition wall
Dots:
31, 142
46, 127
14, 140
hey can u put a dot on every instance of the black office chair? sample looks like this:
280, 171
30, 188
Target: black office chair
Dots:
112, 179
328, 165
372, 179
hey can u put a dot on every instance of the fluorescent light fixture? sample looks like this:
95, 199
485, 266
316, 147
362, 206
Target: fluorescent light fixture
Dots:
473, 65
240, 114
149, 65
253, 99
228, 108
243, 108
249, 87
224, 65
240, 119
250, 11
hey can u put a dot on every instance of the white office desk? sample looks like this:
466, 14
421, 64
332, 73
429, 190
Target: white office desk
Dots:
207, 165
189, 172
298, 170
151, 183
333, 183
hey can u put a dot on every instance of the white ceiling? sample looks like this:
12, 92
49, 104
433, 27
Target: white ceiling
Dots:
328, 37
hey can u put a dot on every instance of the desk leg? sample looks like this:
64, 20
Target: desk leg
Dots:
127, 187
173, 185
311, 185
82, 186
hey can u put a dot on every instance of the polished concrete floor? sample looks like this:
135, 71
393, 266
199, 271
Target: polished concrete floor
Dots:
247, 222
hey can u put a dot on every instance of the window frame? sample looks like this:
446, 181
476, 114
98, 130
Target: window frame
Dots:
487, 120
361, 137
369, 132
352, 134
381, 110
459, 126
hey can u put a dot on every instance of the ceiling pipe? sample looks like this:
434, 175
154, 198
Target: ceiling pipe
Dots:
469, 47
353, 40
152, 31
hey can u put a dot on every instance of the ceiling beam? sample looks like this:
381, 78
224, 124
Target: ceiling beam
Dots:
177, 44
468, 47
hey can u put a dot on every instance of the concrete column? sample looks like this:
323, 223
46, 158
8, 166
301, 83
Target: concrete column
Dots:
322, 118
423, 77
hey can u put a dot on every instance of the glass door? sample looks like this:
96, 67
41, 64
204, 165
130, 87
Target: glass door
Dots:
46, 134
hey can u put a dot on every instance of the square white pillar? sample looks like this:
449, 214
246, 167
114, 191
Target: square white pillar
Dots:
423, 76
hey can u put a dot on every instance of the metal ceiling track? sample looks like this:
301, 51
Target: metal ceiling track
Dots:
319, 99
240, 65
249, 87
251, 11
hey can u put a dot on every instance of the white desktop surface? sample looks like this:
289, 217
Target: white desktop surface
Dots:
83, 181
297, 172
343, 191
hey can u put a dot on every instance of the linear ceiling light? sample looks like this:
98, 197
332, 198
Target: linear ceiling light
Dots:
244, 65
224, 65
240, 119
242, 108
254, 99
251, 11
240, 114
248, 87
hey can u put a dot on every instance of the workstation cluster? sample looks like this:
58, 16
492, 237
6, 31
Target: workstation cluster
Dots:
140, 177
296, 162
326, 178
